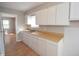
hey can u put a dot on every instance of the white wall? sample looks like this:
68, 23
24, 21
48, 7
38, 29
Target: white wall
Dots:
1, 39
71, 41
1, 45
57, 29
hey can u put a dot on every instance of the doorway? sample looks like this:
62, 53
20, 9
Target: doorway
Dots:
10, 35
9, 25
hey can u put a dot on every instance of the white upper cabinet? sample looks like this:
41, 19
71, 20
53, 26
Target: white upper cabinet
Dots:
46, 16
41, 17
62, 14
54, 15
74, 11
51, 15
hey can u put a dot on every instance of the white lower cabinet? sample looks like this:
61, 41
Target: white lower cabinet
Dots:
51, 49
30, 41
25, 40
35, 44
42, 46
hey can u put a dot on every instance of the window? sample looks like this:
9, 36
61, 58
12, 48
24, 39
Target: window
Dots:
32, 21
6, 24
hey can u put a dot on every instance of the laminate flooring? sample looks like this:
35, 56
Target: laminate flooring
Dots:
13, 48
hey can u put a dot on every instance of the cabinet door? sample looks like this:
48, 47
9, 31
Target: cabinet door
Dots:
51, 49
51, 15
30, 41
42, 47
25, 39
42, 17
35, 44
74, 11
62, 17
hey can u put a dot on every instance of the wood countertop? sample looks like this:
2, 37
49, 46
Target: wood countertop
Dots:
55, 37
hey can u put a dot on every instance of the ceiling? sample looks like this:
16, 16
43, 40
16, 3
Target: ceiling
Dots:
20, 6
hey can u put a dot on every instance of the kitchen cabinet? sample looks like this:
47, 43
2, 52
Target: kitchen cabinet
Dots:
51, 49
30, 41
46, 16
42, 46
62, 14
74, 11
35, 44
27, 40
41, 17
54, 15
51, 15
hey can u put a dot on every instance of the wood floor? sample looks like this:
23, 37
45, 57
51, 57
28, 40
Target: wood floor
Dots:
13, 48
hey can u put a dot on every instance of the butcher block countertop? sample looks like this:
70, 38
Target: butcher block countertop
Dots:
55, 37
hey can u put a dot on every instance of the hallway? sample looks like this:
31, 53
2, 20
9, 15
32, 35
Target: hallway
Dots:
13, 48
